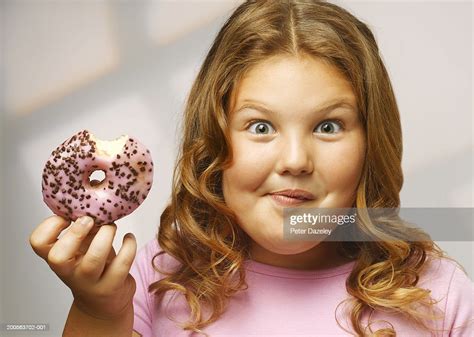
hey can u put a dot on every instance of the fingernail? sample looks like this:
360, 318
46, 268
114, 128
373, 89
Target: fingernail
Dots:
129, 236
84, 221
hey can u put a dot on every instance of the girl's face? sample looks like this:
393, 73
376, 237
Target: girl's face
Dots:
283, 138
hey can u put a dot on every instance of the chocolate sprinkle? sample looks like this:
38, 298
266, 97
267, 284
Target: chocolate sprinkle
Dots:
71, 164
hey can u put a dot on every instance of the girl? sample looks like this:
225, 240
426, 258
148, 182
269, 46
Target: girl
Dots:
292, 107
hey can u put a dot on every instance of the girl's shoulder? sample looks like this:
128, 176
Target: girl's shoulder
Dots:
445, 278
449, 284
443, 271
148, 257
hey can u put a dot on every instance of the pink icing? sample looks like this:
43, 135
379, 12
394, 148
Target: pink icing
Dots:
68, 192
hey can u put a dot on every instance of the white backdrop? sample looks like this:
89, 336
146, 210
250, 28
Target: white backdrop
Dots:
126, 67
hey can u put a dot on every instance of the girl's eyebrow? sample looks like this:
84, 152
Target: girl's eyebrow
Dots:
325, 109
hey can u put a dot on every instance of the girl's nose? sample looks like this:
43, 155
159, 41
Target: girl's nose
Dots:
296, 156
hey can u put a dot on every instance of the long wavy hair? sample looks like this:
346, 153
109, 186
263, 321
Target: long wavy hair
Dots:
201, 232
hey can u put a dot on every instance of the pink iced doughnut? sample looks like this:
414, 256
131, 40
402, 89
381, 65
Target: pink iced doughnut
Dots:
67, 189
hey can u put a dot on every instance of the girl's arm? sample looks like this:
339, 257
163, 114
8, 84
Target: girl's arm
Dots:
80, 324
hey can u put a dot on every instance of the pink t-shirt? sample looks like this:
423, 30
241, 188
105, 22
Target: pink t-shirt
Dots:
288, 302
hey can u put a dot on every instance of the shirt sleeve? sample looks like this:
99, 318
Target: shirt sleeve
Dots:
459, 305
142, 272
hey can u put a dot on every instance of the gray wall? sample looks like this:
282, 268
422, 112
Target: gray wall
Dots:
123, 67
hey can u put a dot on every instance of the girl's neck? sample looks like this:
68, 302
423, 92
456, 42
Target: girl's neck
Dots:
322, 256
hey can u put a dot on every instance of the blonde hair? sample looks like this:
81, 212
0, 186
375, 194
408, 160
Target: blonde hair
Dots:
201, 232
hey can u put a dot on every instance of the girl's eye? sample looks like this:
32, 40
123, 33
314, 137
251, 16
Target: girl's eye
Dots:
260, 127
329, 127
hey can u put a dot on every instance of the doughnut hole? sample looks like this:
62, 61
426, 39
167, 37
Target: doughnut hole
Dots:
97, 177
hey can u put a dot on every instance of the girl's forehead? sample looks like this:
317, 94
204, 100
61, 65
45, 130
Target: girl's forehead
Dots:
288, 82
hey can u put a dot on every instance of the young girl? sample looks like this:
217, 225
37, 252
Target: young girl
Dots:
292, 107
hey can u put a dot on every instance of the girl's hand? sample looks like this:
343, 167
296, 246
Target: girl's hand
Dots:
85, 260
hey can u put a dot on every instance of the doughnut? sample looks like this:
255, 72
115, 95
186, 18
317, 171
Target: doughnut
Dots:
69, 191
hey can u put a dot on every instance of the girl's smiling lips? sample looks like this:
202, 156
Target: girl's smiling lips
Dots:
290, 197
295, 193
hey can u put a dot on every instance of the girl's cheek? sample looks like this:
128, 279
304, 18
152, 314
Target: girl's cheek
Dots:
254, 163
342, 164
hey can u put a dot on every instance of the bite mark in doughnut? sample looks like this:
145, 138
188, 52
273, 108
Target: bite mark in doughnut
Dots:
69, 192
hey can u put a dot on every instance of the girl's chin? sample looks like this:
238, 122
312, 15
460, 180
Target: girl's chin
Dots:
286, 247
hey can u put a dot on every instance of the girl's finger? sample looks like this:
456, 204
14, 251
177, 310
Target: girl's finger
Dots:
62, 256
116, 273
46, 235
87, 241
93, 263
111, 256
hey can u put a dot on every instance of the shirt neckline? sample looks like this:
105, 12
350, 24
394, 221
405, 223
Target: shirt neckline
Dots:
266, 269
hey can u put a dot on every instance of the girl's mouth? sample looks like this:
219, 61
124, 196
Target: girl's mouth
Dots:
283, 200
